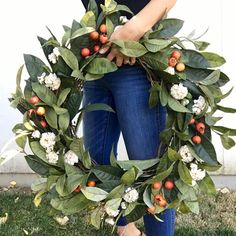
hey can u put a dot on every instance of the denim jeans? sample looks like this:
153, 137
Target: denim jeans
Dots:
127, 92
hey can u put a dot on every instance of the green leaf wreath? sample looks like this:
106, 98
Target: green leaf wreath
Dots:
186, 81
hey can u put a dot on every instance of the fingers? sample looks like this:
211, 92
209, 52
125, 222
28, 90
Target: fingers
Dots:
132, 60
104, 49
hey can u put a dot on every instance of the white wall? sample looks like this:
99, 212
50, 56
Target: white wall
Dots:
22, 21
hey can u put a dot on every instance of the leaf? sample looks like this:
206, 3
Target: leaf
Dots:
97, 107
62, 97
37, 165
136, 213
100, 66
141, 165
73, 103
97, 216
64, 121
129, 177
51, 117
170, 27
18, 82
194, 59
155, 45
38, 150
114, 203
212, 78
92, 6
105, 173
209, 95
131, 48
121, 7
163, 94
69, 58
34, 66
82, 31
222, 129
214, 59
116, 192
21, 141
227, 142
44, 93
147, 197
91, 77
61, 186
176, 105
210, 120
206, 151
38, 198
88, 20
184, 173
94, 194
226, 109
173, 155
110, 26
207, 186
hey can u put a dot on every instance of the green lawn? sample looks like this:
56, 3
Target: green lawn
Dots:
217, 217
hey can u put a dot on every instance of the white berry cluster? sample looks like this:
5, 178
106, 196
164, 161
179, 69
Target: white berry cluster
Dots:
51, 81
36, 134
196, 174
199, 105
47, 141
111, 212
178, 91
53, 57
131, 195
185, 154
71, 158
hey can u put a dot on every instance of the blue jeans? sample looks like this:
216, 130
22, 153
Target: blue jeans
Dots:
127, 92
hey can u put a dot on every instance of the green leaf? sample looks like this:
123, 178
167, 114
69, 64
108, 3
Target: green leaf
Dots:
170, 27
62, 97
44, 93
155, 45
97, 216
147, 197
141, 165
116, 192
226, 109
114, 203
210, 120
156, 61
18, 82
214, 59
222, 129
82, 31
69, 58
209, 95
227, 142
163, 94
121, 7
207, 186
131, 48
173, 155
194, 59
176, 105
100, 66
73, 103
34, 66
21, 141
92, 6
51, 117
91, 77
61, 186
59, 110
136, 213
64, 121
97, 107
38, 150
184, 173
110, 26
129, 176
206, 151
94, 194
88, 20
37, 165
105, 173
73, 181
212, 78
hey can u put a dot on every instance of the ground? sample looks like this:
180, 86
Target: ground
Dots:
217, 217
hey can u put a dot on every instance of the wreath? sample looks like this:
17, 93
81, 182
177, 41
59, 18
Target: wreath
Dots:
186, 81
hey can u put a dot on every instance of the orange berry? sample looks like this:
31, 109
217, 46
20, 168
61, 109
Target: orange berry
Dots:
34, 100
157, 185
94, 35
85, 52
103, 38
169, 184
200, 127
162, 203
91, 183
43, 123
196, 139
180, 67
172, 62
96, 48
192, 121
103, 28
40, 111
176, 54
78, 189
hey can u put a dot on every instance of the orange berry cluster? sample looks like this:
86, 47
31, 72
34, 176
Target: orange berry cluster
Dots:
200, 127
158, 199
98, 39
91, 183
173, 61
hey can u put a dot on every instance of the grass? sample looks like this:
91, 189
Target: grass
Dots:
217, 217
